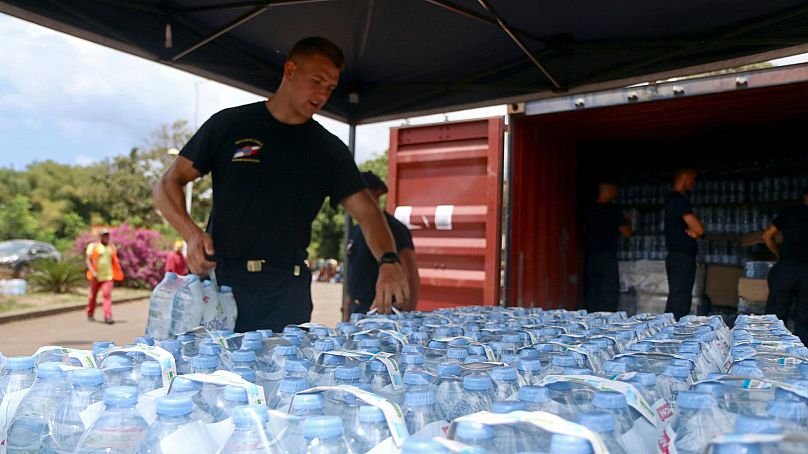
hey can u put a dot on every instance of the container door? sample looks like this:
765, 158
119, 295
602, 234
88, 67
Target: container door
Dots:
445, 183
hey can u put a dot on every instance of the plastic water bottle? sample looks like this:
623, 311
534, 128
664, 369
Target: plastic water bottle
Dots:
323, 375
308, 405
698, 421
570, 444
673, 380
716, 389
202, 411
151, 377
615, 404
232, 397
347, 375
379, 377
422, 445
161, 306
174, 346
324, 435
250, 434
603, 424
476, 395
531, 370
420, 409
19, 375
120, 428
646, 384
413, 361
210, 297
118, 371
448, 389
505, 382
100, 347
173, 412
791, 414
416, 378
537, 398
28, 428
188, 305
245, 359
229, 309
475, 434
204, 364
289, 386
66, 425
373, 429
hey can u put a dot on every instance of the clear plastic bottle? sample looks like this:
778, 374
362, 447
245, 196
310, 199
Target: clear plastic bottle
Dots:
324, 435
204, 364
373, 428
229, 309
28, 428
161, 306
379, 377
603, 424
615, 404
698, 421
448, 389
118, 371
646, 384
245, 359
119, 429
173, 412
420, 409
475, 434
232, 397
791, 414
188, 305
151, 377
308, 405
569, 444
202, 411
250, 435
289, 386
537, 398
19, 375
66, 425
347, 375
505, 382
531, 370
100, 347
673, 380
174, 346
422, 445
476, 395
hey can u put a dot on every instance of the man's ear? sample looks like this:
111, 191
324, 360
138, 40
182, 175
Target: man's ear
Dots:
288, 69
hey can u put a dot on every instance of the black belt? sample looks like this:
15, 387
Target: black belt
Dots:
261, 265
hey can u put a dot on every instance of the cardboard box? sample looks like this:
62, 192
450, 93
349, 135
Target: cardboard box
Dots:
722, 285
753, 289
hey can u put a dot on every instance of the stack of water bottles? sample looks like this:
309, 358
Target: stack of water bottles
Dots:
471, 379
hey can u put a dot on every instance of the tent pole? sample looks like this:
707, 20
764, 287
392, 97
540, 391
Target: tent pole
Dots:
348, 221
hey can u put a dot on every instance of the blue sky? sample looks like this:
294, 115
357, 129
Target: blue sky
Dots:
76, 102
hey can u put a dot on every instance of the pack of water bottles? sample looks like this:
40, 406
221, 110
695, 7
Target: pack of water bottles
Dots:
471, 379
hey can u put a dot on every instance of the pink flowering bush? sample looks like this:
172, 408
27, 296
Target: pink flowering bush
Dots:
142, 260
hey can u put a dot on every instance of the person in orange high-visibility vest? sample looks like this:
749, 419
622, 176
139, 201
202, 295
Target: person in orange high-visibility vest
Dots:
103, 269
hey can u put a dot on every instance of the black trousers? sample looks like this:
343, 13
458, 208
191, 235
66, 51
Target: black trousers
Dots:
681, 270
271, 298
788, 283
602, 282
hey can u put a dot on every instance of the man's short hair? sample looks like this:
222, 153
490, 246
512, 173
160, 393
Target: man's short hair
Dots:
682, 172
317, 45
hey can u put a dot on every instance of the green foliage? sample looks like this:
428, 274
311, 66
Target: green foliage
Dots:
57, 276
16, 220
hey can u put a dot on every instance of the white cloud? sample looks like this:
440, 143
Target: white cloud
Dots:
83, 160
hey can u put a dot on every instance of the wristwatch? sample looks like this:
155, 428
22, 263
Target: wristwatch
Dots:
389, 257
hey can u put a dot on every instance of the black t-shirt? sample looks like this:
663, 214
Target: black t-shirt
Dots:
793, 222
363, 270
269, 181
676, 240
602, 223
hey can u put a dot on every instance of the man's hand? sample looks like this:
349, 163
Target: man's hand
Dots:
199, 247
692, 234
392, 285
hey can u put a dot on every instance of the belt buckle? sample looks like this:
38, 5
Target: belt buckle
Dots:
255, 266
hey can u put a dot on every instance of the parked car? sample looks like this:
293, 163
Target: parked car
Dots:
16, 256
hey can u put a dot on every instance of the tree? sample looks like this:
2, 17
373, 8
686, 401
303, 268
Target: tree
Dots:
16, 220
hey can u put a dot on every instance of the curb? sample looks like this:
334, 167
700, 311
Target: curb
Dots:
13, 317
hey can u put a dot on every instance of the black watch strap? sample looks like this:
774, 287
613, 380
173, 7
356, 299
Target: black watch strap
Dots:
389, 257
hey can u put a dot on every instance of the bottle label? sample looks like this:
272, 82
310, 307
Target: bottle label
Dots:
633, 397
84, 357
386, 359
665, 443
589, 362
391, 410
789, 437
761, 383
379, 320
402, 339
545, 421
662, 410
165, 359
255, 393
618, 348
191, 437
489, 352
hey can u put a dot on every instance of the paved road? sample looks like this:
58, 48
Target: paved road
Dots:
70, 329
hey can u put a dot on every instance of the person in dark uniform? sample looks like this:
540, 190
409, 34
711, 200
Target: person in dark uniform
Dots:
788, 278
272, 167
682, 228
362, 267
603, 224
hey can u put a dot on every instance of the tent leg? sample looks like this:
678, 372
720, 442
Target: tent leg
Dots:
348, 220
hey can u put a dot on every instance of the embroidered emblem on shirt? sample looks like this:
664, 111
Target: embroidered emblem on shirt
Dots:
247, 150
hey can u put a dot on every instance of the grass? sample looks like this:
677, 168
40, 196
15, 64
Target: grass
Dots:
46, 300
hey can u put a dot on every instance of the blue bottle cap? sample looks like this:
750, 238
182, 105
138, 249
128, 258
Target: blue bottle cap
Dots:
370, 343
225, 289
528, 353
569, 444
148, 340
683, 363
20, 363
347, 373
87, 377
322, 427
171, 345
641, 347
377, 366
333, 360
679, 372
610, 400
513, 338
473, 431
597, 421
205, 362
564, 361
529, 365
419, 398
693, 400
50, 370
182, 385
615, 367
477, 382
504, 373
297, 365
150, 369
414, 358
449, 370
419, 336
100, 346
292, 385
308, 402
320, 331
412, 348
745, 424
533, 393
457, 353
245, 415
246, 374
788, 409
235, 394
422, 445
244, 356
252, 344
414, 377
120, 396
737, 448
713, 388
170, 276
286, 350
368, 413
174, 405
475, 350
507, 406
252, 335
210, 350
325, 345
117, 363
292, 339
266, 333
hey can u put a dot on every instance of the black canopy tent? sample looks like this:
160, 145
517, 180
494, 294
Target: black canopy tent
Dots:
409, 57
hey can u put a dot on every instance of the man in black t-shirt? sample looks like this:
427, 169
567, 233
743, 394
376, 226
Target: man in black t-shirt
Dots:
682, 228
603, 223
272, 167
362, 268
788, 279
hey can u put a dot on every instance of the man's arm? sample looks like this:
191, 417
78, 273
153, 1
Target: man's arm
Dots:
410, 266
625, 229
170, 200
392, 283
695, 228
89, 264
768, 238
